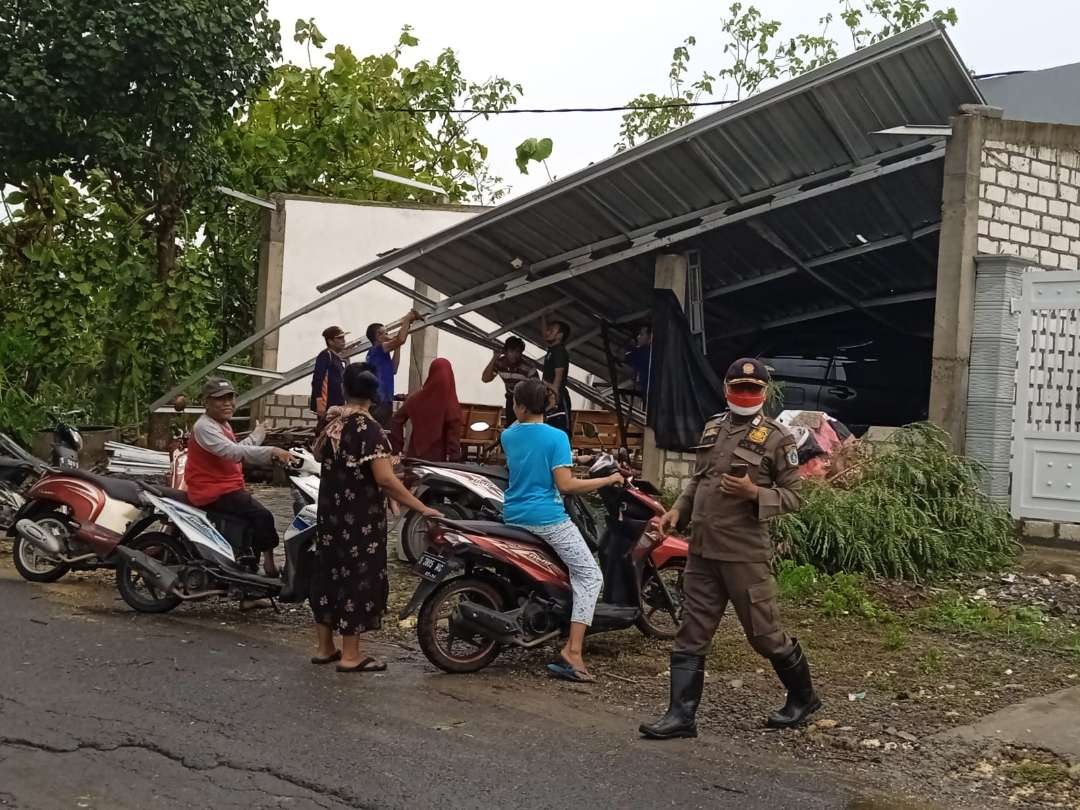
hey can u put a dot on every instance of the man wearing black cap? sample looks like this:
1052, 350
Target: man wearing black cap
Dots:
746, 473
327, 388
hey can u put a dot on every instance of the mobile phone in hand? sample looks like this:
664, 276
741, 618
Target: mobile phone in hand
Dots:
739, 470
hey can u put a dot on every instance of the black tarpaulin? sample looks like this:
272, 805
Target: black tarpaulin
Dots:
684, 391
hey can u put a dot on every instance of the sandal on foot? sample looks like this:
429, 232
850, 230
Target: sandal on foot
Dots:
319, 660
367, 665
562, 669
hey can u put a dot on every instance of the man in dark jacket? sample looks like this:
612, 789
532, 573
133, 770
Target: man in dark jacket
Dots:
326, 383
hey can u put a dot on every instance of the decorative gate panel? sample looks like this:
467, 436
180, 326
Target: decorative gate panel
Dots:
1046, 460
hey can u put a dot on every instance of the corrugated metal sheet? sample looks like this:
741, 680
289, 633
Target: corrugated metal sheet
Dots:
801, 134
1049, 96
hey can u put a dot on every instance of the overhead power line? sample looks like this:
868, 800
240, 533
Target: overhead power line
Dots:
542, 110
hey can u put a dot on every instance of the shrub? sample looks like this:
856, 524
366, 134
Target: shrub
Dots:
909, 509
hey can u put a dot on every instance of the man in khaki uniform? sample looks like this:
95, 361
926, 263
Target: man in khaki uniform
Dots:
746, 473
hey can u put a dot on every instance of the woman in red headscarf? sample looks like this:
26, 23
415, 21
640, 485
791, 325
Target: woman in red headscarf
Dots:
435, 416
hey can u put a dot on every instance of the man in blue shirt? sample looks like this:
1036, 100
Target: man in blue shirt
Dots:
538, 457
639, 359
384, 356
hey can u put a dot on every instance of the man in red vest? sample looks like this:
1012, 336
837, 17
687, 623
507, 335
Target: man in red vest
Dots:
215, 474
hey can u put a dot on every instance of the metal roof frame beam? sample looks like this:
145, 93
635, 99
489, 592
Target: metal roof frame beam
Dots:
803, 317
704, 222
820, 261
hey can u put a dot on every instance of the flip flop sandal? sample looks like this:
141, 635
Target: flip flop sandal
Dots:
565, 672
367, 665
319, 660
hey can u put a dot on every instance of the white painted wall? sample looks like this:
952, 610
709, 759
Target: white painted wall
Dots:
325, 238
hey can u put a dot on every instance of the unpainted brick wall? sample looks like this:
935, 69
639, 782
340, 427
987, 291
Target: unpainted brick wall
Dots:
1029, 201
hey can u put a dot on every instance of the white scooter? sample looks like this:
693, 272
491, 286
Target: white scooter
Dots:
190, 559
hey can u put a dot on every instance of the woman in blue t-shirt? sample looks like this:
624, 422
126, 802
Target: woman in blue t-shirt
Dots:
539, 460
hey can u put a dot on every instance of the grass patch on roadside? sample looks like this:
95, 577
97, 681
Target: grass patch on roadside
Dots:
834, 596
1029, 772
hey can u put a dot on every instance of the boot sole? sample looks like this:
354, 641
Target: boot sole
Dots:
675, 735
813, 708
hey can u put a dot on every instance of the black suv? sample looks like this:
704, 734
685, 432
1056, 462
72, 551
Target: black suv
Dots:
876, 381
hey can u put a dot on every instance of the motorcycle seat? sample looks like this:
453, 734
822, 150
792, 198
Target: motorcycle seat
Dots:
494, 529
488, 471
123, 490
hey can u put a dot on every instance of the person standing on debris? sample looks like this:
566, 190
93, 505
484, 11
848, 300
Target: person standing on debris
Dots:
747, 472
512, 367
384, 356
435, 416
215, 472
556, 373
349, 585
326, 386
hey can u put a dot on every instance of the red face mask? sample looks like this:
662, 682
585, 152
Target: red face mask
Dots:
745, 400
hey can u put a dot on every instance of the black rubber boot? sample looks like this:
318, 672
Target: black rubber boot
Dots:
687, 681
802, 701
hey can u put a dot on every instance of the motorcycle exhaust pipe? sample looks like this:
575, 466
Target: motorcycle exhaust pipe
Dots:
39, 538
160, 576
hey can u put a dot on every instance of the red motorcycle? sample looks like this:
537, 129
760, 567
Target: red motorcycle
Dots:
486, 585
76, 520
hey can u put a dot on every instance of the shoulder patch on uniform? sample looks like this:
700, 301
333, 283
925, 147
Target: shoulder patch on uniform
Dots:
793, 456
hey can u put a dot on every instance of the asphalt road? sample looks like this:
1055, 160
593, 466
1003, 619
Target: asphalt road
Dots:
101, 708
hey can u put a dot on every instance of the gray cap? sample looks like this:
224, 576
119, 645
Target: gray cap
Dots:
217, 387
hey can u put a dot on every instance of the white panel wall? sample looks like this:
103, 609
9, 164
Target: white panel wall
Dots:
324, 239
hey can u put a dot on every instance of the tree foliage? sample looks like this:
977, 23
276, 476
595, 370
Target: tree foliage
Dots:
122, 267
757, 51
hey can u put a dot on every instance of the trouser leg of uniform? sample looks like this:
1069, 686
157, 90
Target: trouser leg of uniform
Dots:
753, 594
704, 600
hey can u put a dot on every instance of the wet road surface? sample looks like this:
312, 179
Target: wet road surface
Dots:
102, 708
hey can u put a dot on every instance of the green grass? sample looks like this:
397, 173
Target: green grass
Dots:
1036, 773
896, 637
910, 509
932, 661
954, 612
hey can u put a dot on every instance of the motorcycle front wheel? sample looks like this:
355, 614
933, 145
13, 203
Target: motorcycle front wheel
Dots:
660, 618
133, 587
32, 564
414, 529
451, 648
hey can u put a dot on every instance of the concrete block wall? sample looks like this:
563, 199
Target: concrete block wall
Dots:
1029, 193
285, 410
678, 468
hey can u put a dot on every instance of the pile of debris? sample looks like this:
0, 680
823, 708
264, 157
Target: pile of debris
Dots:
821, 441
127, 459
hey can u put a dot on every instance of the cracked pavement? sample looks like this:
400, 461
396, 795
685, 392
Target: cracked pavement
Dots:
104, 708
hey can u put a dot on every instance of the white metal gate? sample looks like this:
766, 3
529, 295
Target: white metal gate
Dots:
1046, 454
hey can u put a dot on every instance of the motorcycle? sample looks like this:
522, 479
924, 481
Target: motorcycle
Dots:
73, 521
304, 478
67, 441
486, 585
18, 470
195, 555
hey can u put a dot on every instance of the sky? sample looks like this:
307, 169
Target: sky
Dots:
601, 53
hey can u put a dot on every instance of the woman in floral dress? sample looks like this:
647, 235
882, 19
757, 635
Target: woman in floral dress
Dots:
349, 585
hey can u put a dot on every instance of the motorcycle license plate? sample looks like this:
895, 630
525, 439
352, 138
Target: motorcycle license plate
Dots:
431, 567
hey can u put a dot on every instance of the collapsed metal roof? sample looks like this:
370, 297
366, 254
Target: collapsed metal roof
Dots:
793, 202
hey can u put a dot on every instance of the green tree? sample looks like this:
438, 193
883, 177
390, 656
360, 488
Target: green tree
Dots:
323, 128
757, 52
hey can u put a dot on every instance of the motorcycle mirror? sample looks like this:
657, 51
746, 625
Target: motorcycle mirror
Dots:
479, 427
